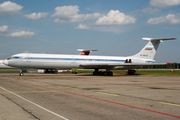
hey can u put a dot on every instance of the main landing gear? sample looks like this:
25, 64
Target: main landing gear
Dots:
104, 73
51, 71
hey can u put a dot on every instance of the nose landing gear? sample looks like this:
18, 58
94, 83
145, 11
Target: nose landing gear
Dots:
22, 71
21, 74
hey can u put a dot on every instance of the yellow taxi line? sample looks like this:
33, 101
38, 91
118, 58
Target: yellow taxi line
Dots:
170, 104
107, 93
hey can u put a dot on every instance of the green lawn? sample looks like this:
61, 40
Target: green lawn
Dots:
8, 70
159, 72
140, 71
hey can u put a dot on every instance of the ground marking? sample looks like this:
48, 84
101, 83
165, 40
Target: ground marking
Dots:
170, 104
35, 104
75, 89
100, 99
107, 93
4, 92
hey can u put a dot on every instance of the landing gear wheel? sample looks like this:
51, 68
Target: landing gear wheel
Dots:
21, 74
110, 73
105, 73
95, 73
100, 73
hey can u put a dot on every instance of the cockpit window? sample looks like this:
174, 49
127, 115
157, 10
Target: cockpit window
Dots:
11, 58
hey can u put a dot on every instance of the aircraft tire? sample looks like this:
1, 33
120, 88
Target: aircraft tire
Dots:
100, 73
21, 74
105, 73
110, 73
95, 73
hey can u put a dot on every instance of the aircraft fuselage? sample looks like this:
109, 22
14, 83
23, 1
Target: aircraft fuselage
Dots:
60, 61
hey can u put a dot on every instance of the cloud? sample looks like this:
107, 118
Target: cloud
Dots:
156, 6
164, 3
81, 26
88, 8
115, 18
112, 29
22, 34
35, 16
3, 28
169, 19
2, 54
151, 10
9, 8
69, 14
26, 52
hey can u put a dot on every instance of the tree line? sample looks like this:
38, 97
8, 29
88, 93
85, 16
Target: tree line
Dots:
171, 66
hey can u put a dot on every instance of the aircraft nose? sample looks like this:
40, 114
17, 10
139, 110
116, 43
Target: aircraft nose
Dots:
5, 62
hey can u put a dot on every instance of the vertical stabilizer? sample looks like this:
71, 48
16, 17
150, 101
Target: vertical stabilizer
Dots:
149, 51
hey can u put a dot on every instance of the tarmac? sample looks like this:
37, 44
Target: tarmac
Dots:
67, 96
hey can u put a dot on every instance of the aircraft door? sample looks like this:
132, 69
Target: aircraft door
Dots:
89, 60
26, 58
73, 60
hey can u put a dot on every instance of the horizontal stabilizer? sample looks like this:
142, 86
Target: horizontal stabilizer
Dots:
85, 52
159, 39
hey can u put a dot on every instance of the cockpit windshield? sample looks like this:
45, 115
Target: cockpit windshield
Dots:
12, 57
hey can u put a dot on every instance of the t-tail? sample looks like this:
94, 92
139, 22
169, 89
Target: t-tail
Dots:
149, 51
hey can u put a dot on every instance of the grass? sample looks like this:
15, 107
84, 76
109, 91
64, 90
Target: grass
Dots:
159, 72
140, 71
8, 70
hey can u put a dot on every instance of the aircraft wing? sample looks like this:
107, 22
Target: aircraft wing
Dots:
116, 66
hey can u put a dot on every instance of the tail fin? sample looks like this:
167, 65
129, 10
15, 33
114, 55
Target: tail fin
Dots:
149, 51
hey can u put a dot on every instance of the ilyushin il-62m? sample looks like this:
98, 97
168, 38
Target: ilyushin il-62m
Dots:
62, 61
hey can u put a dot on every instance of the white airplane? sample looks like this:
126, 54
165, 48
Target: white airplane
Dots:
3, 66
61, 61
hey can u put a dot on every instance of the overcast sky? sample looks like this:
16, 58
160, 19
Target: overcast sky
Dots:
114, 28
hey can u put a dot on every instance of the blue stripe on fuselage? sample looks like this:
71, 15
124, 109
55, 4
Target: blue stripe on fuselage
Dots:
75, 59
